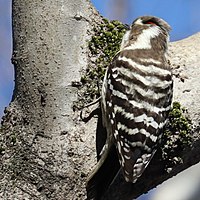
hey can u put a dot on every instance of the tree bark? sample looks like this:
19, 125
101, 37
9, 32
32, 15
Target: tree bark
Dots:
46, 151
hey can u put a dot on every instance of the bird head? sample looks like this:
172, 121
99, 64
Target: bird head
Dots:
146, 32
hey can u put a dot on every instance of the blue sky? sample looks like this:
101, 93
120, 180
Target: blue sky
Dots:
6, 69
182, 15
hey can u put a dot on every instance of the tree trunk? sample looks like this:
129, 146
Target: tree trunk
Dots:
46, 151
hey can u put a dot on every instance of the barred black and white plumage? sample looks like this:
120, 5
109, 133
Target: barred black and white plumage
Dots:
137, 94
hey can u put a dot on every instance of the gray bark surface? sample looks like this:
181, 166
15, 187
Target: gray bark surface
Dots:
185, 61
46, 151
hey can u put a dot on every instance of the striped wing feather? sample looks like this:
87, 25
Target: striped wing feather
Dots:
138, 100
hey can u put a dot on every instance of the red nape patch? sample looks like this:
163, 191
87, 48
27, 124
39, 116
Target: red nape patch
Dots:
150, 22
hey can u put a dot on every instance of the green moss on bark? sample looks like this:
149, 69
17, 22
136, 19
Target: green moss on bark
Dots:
177, 135
103, 46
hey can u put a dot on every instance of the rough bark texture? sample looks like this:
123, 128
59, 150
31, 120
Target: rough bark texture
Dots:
46, 151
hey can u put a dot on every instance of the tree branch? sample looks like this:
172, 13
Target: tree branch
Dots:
155, 174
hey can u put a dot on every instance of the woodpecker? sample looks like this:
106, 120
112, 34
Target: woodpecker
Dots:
136, 97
